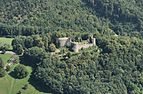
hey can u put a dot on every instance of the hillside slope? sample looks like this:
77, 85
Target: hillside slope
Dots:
50, 14
125, 15
76, 15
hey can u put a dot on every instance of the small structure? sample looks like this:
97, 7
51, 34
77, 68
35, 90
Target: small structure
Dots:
65, 41
75, 46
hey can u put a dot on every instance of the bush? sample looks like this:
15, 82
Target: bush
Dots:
7, 68
4, 47
19, 92
20, 71
1, 63
52, 47
25, 87
68, 54
2, 72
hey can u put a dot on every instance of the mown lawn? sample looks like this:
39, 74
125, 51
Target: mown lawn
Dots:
9, 85
8, 41
5, 57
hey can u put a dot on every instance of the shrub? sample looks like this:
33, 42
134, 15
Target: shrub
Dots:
7, 68
1, 63
2, 72
25, 87
52, 47
19, 92
20, 71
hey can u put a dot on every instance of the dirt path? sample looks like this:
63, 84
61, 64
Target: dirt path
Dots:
9, 52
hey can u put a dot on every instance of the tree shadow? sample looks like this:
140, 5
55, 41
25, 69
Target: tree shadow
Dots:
28, 61
25, 60
38, 85
35, 83
12, 74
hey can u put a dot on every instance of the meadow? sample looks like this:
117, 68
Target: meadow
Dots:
5, 57
7, 41
10, 85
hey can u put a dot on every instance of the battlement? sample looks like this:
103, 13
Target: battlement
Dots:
75, 46
61, 42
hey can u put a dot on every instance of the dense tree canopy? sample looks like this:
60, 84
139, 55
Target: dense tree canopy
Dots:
30, 17
20, 71
117, 72
114, 65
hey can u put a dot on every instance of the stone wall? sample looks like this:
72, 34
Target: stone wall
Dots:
62, 41
75, 45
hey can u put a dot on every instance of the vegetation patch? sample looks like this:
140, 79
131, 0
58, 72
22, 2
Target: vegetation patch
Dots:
114, 65
10, 85
5, 57
5, 43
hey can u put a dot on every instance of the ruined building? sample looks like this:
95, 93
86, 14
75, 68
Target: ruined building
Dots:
75, 46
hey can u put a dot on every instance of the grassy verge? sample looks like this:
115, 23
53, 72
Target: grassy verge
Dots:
8, 41
9, 85
5, 57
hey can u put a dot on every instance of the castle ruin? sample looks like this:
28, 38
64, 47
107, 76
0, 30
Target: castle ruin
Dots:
75, 46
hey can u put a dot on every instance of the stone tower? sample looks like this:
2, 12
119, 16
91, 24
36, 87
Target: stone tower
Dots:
62, 41
75, 47
94, 41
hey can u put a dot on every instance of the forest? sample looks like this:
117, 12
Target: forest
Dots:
113, 66
30, 17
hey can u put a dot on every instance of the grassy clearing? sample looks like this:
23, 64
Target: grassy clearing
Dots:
9, 85
5, 57
8, 41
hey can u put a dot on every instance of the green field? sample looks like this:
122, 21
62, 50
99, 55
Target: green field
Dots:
9, 85
8, 41
5, 57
